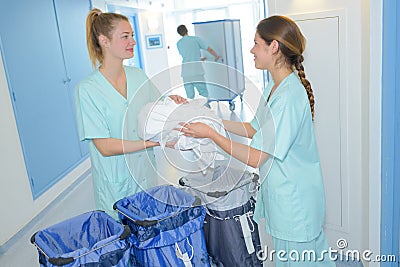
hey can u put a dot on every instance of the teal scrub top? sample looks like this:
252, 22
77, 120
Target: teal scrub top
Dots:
189, 47
101, 111
291, 197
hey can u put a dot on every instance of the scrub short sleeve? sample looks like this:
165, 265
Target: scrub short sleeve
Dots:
264, 138
202, 43
90, 120
287, 114
254, 123
260, 108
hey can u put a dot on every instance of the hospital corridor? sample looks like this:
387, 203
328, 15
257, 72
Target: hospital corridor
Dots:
78, 199
199, 133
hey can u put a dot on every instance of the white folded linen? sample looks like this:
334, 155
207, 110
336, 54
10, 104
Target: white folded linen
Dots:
157, 122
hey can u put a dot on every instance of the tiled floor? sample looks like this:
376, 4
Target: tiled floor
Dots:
20, 252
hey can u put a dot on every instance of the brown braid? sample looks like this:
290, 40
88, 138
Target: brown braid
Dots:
307, 85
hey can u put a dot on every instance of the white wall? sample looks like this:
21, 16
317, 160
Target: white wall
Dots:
18, 207
155, 60
375, 97
357, 88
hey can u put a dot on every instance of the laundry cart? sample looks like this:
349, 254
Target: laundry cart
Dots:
229, 194
225, 79
90, 239
166, 227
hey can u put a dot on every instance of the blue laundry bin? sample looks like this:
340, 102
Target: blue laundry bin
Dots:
91, 239
166, 226
229, 194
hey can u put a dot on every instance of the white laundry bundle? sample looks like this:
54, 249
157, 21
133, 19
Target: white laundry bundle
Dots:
157, 122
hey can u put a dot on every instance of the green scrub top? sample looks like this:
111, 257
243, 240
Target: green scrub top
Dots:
101, 111
291, 197
189, 47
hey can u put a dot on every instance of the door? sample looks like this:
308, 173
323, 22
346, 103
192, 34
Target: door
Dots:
71, 19
330, 114
33, 60
390, 144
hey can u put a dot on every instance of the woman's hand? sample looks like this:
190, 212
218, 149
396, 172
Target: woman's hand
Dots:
171, 144
196, 130
178, 99
149, 144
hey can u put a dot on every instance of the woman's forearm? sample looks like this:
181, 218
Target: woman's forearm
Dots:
112, 146
240, 128
243, 153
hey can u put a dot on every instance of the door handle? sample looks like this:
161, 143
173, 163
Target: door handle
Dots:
66, 80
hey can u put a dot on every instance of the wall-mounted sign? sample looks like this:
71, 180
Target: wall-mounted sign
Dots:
154, 41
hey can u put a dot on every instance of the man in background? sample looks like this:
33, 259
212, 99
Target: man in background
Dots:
189, 48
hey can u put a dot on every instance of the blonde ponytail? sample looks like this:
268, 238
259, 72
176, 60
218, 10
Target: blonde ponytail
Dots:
99, 23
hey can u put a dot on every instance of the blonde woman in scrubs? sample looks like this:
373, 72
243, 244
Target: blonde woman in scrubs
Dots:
101, 102
291, 198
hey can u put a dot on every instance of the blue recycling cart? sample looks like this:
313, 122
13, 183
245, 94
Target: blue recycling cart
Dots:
166, 226
87, 240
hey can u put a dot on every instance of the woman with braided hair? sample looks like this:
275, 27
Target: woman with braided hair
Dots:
291, 198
